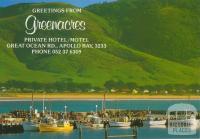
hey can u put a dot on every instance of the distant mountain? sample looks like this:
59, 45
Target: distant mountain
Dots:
127, 58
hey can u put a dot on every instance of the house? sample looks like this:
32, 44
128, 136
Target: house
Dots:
134, 91
146, 91
113, 90
3, 89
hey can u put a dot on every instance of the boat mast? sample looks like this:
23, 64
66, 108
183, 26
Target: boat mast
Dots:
32, 99
43, 104
32, 107
104, 103
65, 114
96, 109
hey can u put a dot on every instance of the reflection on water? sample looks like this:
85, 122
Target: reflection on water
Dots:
156, 132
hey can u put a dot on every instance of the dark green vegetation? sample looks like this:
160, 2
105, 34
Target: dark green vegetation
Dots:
165, 28
110, 86
153, 43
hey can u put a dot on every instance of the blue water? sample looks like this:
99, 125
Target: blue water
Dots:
88, 133
143, 133
89, 105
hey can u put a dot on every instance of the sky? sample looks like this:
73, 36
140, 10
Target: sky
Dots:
78, 3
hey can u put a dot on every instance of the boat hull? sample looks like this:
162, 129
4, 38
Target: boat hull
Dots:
30, 127
155, 123
120, 124
98, 125
49, 128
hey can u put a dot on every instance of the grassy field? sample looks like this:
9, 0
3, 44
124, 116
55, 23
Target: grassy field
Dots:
150, 47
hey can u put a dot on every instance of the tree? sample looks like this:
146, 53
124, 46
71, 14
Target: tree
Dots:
109, 84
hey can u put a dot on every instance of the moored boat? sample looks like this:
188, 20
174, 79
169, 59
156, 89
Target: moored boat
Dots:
30, 126
56, 127
96, 121
153, 121
122, 122
119, 124
49, 124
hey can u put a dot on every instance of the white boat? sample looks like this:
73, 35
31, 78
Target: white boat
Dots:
159, 126
30, 126
96, 121
153, 122
98, 125
119, 124
122, 122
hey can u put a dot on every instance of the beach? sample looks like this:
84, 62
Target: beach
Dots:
92, 96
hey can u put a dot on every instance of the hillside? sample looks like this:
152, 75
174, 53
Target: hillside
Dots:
119, 62
168, 29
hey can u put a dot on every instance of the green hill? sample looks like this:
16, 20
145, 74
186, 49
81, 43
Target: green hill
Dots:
120, 61
168, 29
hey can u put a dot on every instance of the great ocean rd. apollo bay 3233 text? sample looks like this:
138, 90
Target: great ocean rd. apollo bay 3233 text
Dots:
56, 46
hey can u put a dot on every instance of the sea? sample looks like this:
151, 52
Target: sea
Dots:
91, 105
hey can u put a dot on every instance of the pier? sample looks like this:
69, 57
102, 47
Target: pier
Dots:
107, 135
133, 135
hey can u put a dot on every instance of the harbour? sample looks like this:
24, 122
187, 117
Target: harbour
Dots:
99, 69
83, 112
89, 105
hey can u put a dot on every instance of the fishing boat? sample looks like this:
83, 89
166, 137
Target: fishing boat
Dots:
49, 124
120, 123
30, 126
96, 121
155, 122
64, 126
158, 126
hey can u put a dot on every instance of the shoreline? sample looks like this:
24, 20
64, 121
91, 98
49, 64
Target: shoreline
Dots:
12, 100
90, 97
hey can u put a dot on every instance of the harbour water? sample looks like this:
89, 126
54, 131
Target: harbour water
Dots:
87, 106
143, 133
